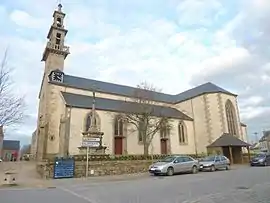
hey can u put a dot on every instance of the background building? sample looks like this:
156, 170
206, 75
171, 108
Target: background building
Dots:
264, 142
33, 150
11, 150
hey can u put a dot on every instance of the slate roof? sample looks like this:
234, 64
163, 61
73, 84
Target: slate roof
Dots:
111, 88
199, 90
82, 101
244, 125
266, 134
11, 145
226, 140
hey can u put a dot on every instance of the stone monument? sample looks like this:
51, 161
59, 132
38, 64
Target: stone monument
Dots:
92, 138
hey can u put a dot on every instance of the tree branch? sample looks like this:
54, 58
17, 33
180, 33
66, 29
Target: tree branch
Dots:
11, 105
143, 116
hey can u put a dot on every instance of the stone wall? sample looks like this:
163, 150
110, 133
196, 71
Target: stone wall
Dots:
101, 168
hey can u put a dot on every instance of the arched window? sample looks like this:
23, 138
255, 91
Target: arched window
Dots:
59, 22
164, 131
182, 133
88, 121
118, 126
231, 118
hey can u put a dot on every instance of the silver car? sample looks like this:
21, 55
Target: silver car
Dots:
174, 164
215, 162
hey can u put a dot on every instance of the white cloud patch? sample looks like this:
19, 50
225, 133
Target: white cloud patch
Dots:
23, 19
198, 13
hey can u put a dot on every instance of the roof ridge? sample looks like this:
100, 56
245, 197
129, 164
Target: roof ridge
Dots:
128, 91
112, 83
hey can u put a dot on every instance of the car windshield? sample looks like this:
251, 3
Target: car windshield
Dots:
260, 155
167, 159
209, 158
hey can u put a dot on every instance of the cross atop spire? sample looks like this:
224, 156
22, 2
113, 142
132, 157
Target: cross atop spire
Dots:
59, 6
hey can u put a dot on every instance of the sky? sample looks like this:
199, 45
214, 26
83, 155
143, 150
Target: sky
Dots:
172, 44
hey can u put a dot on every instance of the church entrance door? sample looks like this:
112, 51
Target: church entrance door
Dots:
163, 146
118, 145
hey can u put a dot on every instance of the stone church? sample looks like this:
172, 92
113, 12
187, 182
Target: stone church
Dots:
199, 115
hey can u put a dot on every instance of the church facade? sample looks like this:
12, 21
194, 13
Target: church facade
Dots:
198, 116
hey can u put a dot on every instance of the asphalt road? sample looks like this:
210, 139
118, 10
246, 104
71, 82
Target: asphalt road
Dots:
244, 185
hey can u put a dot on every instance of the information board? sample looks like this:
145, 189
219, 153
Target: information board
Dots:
64, 168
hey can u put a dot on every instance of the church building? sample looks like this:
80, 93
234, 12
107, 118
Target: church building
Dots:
199, 116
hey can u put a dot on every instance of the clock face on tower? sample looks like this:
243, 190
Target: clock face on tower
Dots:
57, 76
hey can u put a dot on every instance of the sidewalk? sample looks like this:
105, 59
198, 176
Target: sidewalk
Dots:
25, 172
27, 176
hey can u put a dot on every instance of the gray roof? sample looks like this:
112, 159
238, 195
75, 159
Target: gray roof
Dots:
11, 145
82, 101
266, 135
199, 90
111, 88
243, 124
226, 140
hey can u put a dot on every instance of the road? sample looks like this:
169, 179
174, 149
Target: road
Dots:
243, 185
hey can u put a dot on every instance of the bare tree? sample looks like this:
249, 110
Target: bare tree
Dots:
11, 105
146, 117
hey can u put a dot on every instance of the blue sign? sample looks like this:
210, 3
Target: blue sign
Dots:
64, 168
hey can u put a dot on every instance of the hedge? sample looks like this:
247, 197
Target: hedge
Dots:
107, 157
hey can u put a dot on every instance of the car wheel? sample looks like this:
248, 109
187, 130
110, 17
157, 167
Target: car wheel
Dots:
213, 168
227, 167
170, 171
194, 169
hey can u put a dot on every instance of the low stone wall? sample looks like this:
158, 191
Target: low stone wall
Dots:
106, 165
101, 168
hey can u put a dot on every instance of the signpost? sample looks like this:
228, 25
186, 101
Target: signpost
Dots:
93, 142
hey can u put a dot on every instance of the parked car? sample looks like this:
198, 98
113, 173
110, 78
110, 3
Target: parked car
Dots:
262, 159
213, 163
174, 164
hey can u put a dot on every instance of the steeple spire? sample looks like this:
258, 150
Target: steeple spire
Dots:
56, 35
60, 7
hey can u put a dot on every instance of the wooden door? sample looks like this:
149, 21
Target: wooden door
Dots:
118, 145
163, 143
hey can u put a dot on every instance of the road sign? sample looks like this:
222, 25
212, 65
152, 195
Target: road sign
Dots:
64, 168
90, 144
91, 139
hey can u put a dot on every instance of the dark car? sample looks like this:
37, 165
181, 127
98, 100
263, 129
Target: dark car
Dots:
261, 160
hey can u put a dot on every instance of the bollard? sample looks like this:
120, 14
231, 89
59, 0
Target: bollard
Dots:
10, 178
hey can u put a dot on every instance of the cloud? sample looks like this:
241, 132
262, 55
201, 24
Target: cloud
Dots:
197, 13
23, 19
244, 68
173, 45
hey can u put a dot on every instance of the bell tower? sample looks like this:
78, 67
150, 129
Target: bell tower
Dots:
54, 57
55, 51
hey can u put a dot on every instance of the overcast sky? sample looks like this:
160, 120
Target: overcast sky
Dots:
172, 45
